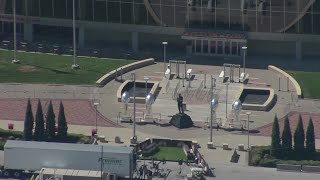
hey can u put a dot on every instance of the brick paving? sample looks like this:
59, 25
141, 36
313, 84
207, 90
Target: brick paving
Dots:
77, 112
293, 119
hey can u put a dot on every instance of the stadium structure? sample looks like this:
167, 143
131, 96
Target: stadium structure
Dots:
199, 27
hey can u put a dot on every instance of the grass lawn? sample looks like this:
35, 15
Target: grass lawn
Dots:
53, 69
308, 82
169, 153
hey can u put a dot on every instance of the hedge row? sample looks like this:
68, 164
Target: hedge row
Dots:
17, 135
261, 157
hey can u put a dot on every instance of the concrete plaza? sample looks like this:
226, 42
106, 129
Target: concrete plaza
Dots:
197, 99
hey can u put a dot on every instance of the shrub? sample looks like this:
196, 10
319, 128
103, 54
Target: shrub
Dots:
275, 139
2, 145
28, 123
39, 128
310, 140
75, 138
286, 139
50, 123
62, 123
11, 138
258, 153
272, 163
6, 133
299, 140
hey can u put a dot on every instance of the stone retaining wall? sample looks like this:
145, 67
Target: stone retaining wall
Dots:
292, 80
126, 68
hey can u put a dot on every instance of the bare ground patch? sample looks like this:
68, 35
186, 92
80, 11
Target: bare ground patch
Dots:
27, 68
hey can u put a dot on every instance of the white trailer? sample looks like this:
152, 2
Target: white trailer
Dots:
32, 156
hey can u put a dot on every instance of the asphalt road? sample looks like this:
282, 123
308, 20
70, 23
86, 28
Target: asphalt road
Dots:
227, 172
236, 171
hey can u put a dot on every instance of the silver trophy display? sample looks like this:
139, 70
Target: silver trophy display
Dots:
125, 98
149, 101
236, 107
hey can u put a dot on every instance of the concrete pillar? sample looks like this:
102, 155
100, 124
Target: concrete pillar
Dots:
28, 32
81, 38
135, 41
298, 50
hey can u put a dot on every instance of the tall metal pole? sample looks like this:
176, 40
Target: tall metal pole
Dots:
101, 162
96, 106
74, 66
146, 85
96, 119
248, 114
211, 109
244, 48
134, 104
15, 60
164, 58
15, 29
227, 100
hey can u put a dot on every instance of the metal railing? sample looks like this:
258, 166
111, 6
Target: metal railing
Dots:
167, 86
175, 91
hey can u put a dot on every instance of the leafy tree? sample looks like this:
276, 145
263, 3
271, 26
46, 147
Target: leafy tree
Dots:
275, 139
39, 128
28, 123
310, 139
286, 138
50, 123
299, 139
62, 123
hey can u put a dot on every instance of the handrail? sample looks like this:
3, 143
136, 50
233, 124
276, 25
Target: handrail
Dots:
174, 93
167, 86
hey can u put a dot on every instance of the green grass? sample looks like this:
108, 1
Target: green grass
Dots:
53, 69
169, 154
308, 82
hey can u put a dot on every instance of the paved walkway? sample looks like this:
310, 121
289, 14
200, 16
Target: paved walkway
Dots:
77, 111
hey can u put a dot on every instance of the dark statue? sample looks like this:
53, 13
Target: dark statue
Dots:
180, 102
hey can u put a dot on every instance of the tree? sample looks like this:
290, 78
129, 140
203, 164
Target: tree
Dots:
299, 139
275, 139
286, 138
62, 123
39, 128
50, 123
28, 123
310, 139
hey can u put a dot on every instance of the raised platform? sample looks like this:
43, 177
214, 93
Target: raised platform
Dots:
181, 121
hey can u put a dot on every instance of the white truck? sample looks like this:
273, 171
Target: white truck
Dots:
30, 156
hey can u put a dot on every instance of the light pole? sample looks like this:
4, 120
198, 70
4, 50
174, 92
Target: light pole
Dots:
213, 105
74, 65
227, 84
96, 104
248, 114
134, 138
146, 79
15, 60
164, 57
236, 107
244, 48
